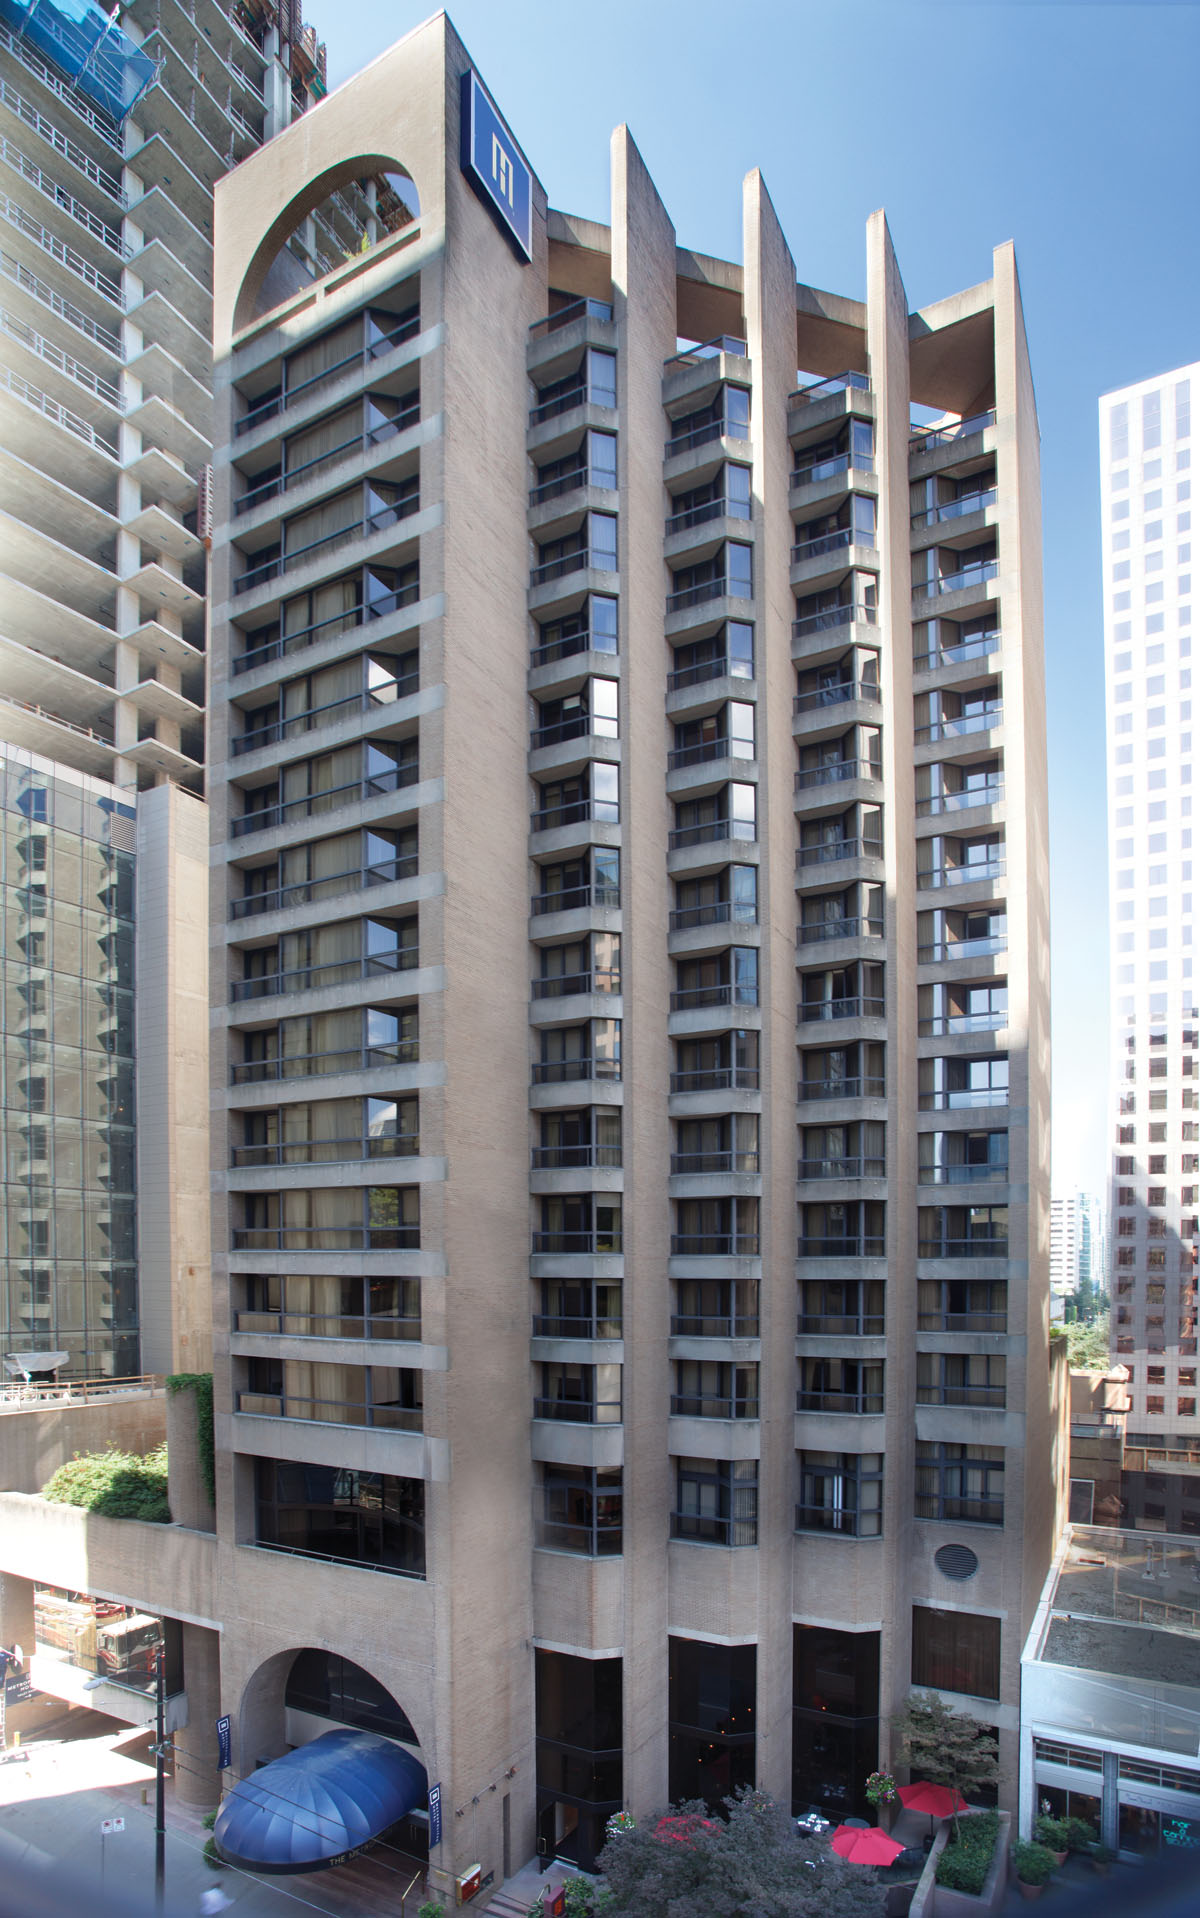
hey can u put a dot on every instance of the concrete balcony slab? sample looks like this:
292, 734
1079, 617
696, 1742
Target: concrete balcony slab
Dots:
161, 476
165, 533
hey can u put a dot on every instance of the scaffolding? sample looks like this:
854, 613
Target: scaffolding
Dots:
87, 46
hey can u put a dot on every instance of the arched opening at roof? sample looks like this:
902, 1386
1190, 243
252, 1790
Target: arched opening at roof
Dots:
344, 211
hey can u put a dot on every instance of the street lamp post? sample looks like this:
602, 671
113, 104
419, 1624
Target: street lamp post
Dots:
160, 1751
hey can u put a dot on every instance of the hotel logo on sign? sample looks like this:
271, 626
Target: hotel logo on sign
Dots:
492, 163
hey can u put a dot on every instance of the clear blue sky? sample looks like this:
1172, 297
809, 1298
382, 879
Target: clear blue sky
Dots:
1067, 126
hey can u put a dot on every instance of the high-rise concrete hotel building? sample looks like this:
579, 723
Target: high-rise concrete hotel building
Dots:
1146, 490
630, 1046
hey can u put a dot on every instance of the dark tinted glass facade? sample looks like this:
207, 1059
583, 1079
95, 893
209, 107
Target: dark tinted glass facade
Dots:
835, 1719
711, 1719
579, 1769
323, 1511
67, 1105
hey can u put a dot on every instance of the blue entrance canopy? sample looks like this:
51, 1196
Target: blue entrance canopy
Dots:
319, 1803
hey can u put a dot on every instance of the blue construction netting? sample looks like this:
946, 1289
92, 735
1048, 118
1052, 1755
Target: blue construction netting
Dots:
87, 47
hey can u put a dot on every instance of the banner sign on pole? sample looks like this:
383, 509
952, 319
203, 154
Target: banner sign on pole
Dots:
224, 1750
435, 1816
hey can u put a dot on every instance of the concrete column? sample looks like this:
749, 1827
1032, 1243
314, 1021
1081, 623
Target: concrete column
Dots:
197, 1780
1110, 1803
887, 347
770, 307
16, 1612
187, 1490
643, 273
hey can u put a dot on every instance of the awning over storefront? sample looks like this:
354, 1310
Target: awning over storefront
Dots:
319, 1803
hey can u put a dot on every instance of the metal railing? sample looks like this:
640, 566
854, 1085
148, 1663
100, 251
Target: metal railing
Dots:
101, 283
825, 389
591, 1325
108, 235
977, 647
851, 689
561, 985
723, 994
283, 644
846, 1519
830, 851
360, 442
860, 1404
560, 1072
833, 617
848, 1245
394, 1145
280, 1405
714, 1325
575, 812
992, 1395
710, 829
579, 1411
703, 1405
19, 1394
43, 712
962, 1322
835, 771
989, 795
707, 431
104, 128
563, 1157
329, 542
716, 1079
942, 949
312, 1065
302, 892
705, 512
571, 644
16, 271
927, 439
956, 508
276, 403
829, 468
863, 1086
556, 488
337, 972
721, 912
707, 750
579, 726
599, 559
841, 1167
963, 1174
863, 926
53, 355
331, 800
833, 542
577, 310
708, 350
715, 1245
327, 1238
851, 1325
942, 1023
338, 1558
573, 898
61, 415
62, 143
958, 728
995, 1246
383, 694
856, 1007
968, 576
684, 1162
961, 875
706, 669
329, 1325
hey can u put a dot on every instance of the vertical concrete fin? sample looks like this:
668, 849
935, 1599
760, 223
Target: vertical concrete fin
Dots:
887, 357
769, 292
644, 306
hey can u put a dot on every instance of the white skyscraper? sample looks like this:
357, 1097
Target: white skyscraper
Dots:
1145, 464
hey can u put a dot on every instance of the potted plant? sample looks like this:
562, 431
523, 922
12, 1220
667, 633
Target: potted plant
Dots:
1034, 1866
1055, 1835
881, 1792
1082, 1836
1102, 1857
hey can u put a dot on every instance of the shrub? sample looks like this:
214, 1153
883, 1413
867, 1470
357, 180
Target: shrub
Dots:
966, 1860
431, 1909
1034, 1864
114, 1484
1054, 1833
1080, 1835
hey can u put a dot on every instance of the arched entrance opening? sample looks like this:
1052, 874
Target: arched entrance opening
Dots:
343, 212
332, 1766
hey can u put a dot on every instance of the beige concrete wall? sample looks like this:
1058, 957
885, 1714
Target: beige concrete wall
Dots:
35, 1442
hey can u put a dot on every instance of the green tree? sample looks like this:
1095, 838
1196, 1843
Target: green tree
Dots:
752, 1865
1087, 1344
945, 1746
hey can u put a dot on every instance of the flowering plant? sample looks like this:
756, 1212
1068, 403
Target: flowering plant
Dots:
881, 1788
619, 1821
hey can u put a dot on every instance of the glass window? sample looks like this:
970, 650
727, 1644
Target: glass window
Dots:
739, 573
956, 1652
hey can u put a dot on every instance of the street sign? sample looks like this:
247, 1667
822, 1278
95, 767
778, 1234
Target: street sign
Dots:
435, 1816
109, 1825
224, 1750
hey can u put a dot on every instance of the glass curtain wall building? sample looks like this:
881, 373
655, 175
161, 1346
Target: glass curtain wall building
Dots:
1146, 492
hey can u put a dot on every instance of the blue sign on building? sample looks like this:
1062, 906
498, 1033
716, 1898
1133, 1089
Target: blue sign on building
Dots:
435, 1816
224, 1753
492, 163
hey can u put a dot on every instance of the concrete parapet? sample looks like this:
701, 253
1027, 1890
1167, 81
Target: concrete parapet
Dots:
36, 1440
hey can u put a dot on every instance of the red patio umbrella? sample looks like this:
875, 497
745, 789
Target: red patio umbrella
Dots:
939, 1801
869, 1847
